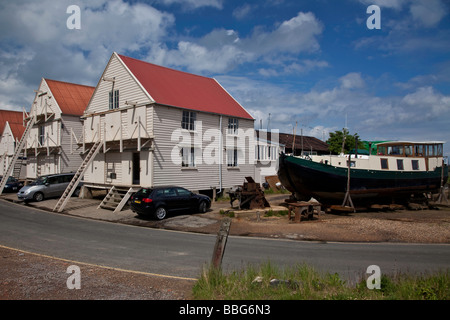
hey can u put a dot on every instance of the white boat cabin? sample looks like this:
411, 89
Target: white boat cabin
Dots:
393, 156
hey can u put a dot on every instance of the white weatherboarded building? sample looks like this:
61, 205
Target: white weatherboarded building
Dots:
51, 145
11, 130
160, 126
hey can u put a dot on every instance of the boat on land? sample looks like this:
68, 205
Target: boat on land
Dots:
396, 172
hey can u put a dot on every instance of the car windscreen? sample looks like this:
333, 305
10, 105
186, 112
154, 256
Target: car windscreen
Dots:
39, 181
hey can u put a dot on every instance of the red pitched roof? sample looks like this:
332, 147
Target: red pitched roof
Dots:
15, 119
17, 129
72, 98
184, 90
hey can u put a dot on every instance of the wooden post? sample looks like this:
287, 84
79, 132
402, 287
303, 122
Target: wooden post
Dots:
221, 242
348, 198
442, 197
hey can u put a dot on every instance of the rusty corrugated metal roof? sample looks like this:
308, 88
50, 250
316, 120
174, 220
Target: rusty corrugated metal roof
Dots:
15, 120
184, 90
72, 98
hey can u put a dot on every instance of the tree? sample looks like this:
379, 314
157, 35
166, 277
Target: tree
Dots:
343, 142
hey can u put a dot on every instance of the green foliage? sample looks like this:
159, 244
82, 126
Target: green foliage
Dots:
278, 213
336, 139
269, 282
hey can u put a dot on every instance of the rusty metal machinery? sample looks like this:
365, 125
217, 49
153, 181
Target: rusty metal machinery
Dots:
250, 195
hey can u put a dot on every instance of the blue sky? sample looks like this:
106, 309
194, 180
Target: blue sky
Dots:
314, 63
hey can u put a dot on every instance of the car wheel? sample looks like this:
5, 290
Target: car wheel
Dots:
38, 196
160, 213
202, 207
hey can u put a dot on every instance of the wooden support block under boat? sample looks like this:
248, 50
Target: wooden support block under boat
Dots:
303, 208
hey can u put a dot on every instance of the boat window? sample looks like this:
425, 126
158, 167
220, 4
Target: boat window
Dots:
439, 150
408, 150
418, 150
384, 164
382, 150
395, 150
415, 164
431, 150
400, 164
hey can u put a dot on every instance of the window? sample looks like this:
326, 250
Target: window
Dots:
114, 99
233, 126
188, 157
381, 150
41, 134
54, 180
188, 120
384, 164
395, 150
170, 192
183, 192
232, 158
415, 164
67, 178
400, 164
439, 150
408, 150
418, 150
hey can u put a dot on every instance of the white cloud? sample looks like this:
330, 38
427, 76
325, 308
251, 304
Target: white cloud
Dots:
221, 49
352, 81
296, 35
243, 11
392, 4
413, 115
195, 4
430, 103
429, 13
299, 67
38, 43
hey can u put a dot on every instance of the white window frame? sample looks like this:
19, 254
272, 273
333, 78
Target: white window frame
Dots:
188, 120
114, 99
188, 157
233, 126
232, 157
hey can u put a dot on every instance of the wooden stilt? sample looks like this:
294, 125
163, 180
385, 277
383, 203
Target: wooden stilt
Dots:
442, 196
348, 199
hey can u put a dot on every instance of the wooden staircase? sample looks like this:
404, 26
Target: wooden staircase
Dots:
117, 198
77, 177
17, 153
18, 165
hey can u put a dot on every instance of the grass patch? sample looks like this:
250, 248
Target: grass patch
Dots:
302, 282
228, 213
279, 191
278, 213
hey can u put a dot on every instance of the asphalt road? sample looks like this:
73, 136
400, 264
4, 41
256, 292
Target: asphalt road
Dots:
181, 254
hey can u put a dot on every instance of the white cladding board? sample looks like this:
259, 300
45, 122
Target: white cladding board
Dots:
124, 82
169, 138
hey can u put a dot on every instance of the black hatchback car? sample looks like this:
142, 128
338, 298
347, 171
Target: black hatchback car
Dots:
12, 185
159, 201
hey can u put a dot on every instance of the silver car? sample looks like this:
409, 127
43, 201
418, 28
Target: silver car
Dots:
45, 187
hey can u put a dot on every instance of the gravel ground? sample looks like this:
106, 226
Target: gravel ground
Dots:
26, 276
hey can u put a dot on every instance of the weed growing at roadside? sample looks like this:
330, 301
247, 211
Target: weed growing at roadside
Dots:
267, 282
